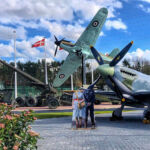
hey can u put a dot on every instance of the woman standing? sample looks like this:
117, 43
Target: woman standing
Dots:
78, 111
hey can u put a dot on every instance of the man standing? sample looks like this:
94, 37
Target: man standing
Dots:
89, 97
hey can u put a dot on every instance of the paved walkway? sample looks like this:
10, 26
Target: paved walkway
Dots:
45, 109
130, 133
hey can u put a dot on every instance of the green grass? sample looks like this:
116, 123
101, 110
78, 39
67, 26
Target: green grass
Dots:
64, 114
52, 115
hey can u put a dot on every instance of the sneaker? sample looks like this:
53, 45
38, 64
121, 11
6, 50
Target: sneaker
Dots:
93, 126
85, 125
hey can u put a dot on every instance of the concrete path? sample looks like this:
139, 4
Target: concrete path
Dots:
129, 134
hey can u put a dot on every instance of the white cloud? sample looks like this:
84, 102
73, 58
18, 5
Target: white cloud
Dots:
61, 55
93, 6
50, 50
26, 53
112, 5
26, 12
32, 9
93, 64
20, 33
6, 33
116, 24
139, 54
54, 9
148, 1
143, 8
39, 14
68, 31
49, 60
6, 50
23, 60
24, 50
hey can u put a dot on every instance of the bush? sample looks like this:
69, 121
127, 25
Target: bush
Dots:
15, 129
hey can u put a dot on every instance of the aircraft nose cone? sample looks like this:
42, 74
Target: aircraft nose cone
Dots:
106, 70
57, 43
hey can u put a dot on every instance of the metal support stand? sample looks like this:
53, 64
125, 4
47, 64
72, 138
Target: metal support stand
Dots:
83, 71
46, 79
72, 82
15, 63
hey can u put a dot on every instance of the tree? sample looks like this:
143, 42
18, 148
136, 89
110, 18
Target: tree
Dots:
126, 63
138, 66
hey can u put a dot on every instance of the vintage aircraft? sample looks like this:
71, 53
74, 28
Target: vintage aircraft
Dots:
81, 49
131, 86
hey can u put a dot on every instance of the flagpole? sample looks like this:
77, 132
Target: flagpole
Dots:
84, 72
92, 71
15, 63
46, 79
72, 82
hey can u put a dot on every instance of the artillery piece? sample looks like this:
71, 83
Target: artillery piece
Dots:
46, 97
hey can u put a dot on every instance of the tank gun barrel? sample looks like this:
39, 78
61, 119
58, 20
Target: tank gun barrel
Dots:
23, 73
29, 77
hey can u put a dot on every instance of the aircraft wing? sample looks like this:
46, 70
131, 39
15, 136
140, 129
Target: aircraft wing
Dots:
111, 93
142, 95
71, 63
107, 94
91, 33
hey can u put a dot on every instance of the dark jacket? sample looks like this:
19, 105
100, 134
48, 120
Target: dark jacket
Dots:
88, 93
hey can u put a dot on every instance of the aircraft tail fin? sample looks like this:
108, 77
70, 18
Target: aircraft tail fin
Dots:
114, 52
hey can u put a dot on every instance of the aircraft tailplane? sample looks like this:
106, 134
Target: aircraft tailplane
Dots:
114, 52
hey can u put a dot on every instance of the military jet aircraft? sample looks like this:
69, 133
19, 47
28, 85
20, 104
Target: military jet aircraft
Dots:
81, 49
131, 86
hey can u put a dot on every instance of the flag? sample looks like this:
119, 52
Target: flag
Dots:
39, 43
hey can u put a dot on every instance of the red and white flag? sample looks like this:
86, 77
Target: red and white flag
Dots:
39, 43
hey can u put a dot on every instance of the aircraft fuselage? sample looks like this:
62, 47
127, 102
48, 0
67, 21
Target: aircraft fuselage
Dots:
85, 51
134, 80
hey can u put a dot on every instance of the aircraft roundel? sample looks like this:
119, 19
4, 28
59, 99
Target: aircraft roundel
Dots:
61, 76
95, 23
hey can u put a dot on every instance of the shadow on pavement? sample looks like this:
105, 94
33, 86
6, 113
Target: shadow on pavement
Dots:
130, 121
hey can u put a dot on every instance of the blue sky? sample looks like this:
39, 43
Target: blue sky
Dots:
127, 20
